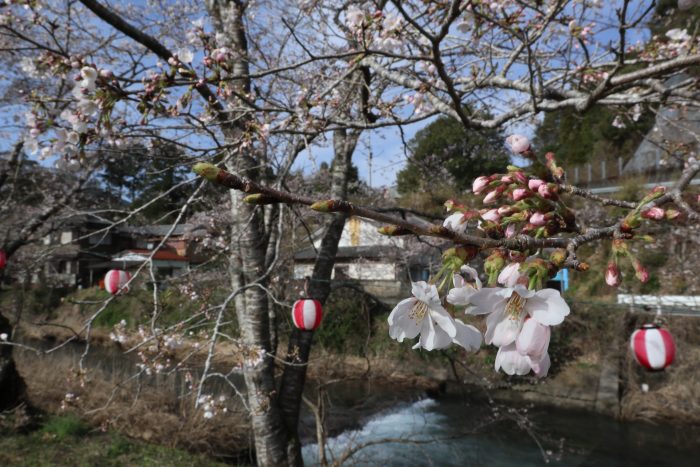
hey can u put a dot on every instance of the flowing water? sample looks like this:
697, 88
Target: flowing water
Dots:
451, 432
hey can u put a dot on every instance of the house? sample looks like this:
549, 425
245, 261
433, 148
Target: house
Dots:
82, 249
382, 266
75, 247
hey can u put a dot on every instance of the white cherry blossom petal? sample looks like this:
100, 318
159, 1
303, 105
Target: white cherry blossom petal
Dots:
548, 307
401, 325
467, 336
489, 299
533, 339
511, 362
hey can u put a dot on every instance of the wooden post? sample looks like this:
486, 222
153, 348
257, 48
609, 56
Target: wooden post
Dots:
576, 174
602, 170
590, 173
619, 167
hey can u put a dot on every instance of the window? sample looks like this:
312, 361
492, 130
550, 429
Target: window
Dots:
66, 237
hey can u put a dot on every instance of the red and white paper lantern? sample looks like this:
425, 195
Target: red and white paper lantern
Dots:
3, 259
115, 280
307, 314
653, 347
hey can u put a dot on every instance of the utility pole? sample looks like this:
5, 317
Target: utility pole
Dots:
369, 165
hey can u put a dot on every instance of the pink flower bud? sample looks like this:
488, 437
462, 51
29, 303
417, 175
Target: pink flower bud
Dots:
518, 143
538, 219
520, 177
491, 215
640, 271
535, 184
507, 179
546, 191
491, 197
505, 210
612, 275
480, 184
521, 193
510, 231
654, 213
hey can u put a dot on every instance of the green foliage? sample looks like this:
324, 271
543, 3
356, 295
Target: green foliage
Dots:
446, 155
136, 306
62, 426
346, 322
139, 175
577, 138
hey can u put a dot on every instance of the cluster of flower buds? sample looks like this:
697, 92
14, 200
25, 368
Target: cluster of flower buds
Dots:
526, 203
620, 250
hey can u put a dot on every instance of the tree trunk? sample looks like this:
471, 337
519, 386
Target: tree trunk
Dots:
294, 375
12, 387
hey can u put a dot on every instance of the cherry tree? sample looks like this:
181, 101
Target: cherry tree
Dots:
245, 87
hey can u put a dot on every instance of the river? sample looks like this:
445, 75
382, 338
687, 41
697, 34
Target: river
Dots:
451, 432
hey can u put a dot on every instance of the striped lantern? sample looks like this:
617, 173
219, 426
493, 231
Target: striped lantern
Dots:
307, 314
115, 280
653, 347
3, 259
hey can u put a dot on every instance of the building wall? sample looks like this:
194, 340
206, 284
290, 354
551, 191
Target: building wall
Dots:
360, 270
361, 232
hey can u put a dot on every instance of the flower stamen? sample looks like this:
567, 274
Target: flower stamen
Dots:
418, 311
515, 305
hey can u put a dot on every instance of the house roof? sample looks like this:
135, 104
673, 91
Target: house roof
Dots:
160, 230
142, 254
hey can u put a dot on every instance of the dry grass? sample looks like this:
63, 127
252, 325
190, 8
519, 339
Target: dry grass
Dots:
156, 409
674, 394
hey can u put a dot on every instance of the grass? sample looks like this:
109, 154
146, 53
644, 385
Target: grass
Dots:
61, 427
65, 440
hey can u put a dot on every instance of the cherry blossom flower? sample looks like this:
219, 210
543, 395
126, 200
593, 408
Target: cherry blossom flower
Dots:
513, 362
185, 55
510, 275
456, 222
509, 307
678, 35
518, 143
463, 288
423, 314
354, 17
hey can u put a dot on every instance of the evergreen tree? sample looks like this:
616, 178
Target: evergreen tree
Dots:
446, 155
